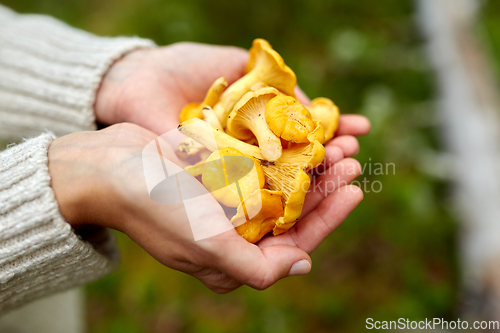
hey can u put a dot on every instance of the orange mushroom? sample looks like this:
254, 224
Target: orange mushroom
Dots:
194, 110
258, 214
289, 119
247, 120
265, 66
325, 111
230, 176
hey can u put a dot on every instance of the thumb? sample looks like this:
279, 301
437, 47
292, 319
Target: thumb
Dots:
261, 268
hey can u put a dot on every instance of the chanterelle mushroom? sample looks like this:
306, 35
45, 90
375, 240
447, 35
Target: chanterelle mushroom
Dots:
188, 146
247, 120
258, 214
318, 134
288, 174
210, 117
325, 111
230, 176
265, 66
196, 169
289, 119
194, 110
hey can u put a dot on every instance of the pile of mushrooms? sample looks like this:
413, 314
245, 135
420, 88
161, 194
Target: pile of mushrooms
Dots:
257, 124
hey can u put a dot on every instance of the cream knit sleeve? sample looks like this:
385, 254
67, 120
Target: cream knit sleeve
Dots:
39, 252
49, 75
50, 72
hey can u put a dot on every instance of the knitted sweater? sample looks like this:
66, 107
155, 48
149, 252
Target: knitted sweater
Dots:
49, 75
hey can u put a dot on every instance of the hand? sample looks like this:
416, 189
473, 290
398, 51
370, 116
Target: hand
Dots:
98, 178
149, 88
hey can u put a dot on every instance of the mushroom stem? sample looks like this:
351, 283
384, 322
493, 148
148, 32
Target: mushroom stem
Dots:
210, 116
232, 95
269, 143
213, 140
248, 120
288, 174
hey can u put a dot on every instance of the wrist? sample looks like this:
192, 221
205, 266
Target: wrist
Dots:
112, 89
75, 180
69, 196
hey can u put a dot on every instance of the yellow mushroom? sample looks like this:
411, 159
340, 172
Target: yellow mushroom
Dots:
210, 116
290, 177
258, 214
318, 134
258, 85
289, 119
196, 169
265, 66
188, 147
194, 110
324, 110
230, 176
288, 174
247, 120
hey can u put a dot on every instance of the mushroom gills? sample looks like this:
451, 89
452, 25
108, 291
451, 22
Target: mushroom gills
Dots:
248, 120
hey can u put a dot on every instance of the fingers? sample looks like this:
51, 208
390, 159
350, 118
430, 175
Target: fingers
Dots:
353, 124
333, 154
276, 257
349, 124
340, 174
323, 220
311, 230
348, 143
337, 149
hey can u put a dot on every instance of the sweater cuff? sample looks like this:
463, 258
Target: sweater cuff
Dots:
50, 73
39, 252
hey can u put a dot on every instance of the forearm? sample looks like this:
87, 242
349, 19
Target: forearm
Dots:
39, 252
50, 73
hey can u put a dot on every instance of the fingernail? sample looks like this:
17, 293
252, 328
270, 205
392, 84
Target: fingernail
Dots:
300, 268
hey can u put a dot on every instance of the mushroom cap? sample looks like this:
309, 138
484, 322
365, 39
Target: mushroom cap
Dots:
288, 174
196, 169
247, 120
231, 176
191, 110
295, 202
257, 214
265, 67
272, 68
325, 111
258, 85
318, 134
289, 119
194, 110
250, 107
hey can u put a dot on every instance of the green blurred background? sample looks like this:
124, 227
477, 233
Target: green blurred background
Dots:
395, 256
